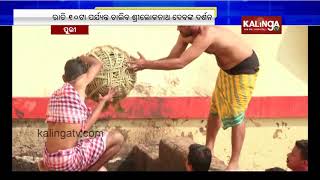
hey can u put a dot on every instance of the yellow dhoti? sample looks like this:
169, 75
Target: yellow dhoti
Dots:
231, 97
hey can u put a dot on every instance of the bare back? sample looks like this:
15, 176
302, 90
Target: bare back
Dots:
72, 130
64, 135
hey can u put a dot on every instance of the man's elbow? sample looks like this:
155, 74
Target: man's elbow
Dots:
99, 65
85, 128
99, 62
180, 65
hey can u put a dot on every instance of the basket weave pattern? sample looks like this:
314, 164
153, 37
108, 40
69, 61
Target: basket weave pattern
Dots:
114, 73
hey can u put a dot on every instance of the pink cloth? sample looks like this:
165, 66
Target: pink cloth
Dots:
79, 158
66, 106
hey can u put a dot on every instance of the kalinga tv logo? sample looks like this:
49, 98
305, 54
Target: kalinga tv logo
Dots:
261, 25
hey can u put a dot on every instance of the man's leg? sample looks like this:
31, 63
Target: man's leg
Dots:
42, 166
114, 143
213, 126
238, 134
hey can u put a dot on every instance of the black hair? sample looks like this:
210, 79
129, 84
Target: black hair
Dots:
74, 68
199, 157
303, 147
275, 169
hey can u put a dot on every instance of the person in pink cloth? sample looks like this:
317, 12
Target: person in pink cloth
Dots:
68, 114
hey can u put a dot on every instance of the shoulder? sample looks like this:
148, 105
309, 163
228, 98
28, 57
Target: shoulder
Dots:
206, 32
66, 91
205, 36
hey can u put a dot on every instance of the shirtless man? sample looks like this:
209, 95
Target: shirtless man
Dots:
234, 85
68, 113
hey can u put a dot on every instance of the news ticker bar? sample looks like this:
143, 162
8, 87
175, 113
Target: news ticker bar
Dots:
230, 12
117, 16
166, 0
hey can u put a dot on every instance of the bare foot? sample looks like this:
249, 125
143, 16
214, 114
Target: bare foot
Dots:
232, 167
41, 166
103, 169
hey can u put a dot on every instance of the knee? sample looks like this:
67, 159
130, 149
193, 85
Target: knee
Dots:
215, 119
117, 138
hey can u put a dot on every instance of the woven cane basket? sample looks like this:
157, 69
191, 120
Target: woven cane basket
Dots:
114, 73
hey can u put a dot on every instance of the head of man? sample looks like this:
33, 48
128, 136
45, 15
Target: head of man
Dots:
186, 31
297, 159
73, 69
199, 158
275, 169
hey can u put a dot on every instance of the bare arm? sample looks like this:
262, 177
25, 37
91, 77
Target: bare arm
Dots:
95, 67
200, 44
175, 63
177, 49
95, 114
